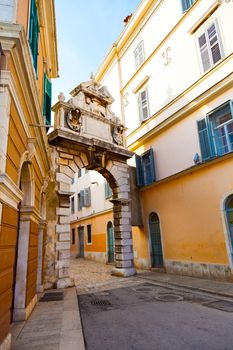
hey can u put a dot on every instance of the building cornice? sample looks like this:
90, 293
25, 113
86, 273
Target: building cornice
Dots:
139, 19
190, 170
190, 107
10, 194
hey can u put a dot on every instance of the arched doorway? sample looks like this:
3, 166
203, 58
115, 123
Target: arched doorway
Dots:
156, 243
110, 239
229, 216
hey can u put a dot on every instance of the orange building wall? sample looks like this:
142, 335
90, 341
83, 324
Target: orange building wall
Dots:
23, 13
8, 238
99, 233
192, 228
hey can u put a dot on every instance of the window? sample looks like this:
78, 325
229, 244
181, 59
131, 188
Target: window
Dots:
89, 234
145, 168
107, 190
34, 33
72, 205
80, 200
186, 4
210, 46
139, 55
87, 197
73, 236
47, 100
79, 172
216, 131
143, 105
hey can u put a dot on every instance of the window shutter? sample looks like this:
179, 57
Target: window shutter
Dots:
81, 199
186, 4
34, 33
214, 42
205, 57
152, 165
139, 171
87, 197
204, 138
47, 99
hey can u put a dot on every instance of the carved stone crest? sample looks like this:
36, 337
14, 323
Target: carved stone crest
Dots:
118, 134
74, 119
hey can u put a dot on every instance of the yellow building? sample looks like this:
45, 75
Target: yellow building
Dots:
170, 73
28, 62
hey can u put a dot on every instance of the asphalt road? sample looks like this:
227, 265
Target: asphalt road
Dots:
149, 317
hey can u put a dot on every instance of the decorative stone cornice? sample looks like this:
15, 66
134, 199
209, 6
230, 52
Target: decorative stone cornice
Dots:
10, 194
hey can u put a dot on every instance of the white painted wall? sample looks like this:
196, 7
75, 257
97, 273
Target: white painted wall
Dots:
95, 181
176, 85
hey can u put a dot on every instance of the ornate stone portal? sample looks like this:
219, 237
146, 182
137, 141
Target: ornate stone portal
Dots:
88, 134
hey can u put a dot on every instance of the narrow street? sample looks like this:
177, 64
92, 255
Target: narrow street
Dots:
142, 313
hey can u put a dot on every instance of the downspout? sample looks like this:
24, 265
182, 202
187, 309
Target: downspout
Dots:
121, 90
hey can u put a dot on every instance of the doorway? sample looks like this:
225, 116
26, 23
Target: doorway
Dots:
156, 243
110, 242
81, 241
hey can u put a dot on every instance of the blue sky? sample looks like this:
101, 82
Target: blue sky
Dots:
86, 31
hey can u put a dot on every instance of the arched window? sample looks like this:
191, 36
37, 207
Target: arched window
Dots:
229, 214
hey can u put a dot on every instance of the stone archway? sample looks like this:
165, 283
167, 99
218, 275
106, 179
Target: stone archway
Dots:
88, 134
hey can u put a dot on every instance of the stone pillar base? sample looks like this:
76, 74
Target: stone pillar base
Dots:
124, 272
64, 283
6, 344
22, 314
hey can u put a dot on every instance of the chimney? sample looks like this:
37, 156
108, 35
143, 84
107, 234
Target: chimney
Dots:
127, 19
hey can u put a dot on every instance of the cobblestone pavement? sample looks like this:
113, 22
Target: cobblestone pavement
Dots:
91, 276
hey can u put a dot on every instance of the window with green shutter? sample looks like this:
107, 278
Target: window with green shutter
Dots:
34, 33
145, 168
47, 100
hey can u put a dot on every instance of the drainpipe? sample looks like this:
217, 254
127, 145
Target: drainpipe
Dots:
120, 84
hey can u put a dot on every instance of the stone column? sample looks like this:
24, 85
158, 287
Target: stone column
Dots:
122, 219
63, 242
123, 238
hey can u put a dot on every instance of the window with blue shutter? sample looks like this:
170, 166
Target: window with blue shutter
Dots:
34, 33
47, 100
186, 4
204, 139
107, 190
216, 131
145, 168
